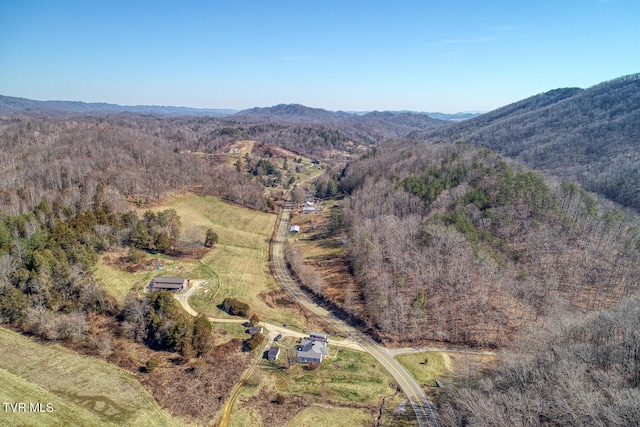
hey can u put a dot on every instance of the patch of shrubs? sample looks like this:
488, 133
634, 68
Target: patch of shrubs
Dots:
256, 341
235, 307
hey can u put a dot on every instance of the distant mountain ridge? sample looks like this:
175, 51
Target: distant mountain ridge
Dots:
10, 103
281, 111
396, 124
297, 112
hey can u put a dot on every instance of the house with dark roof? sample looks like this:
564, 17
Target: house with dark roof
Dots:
169, 284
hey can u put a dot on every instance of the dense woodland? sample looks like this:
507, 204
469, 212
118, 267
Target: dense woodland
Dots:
452, 243
571, 370
137, 158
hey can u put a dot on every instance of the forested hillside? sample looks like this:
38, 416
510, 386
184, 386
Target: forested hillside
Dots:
63, 157
137, 158
591, 137
570, 371
452, 243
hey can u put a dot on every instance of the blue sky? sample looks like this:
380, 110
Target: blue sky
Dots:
424, 55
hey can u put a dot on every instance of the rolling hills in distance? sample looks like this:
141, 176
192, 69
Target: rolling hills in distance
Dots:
588, 136
11, 103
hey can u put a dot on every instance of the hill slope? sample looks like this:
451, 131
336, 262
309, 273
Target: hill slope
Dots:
452, 243
80, 390
589, 136
318, 127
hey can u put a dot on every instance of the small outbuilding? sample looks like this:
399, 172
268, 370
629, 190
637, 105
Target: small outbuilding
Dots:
294, 229
255, 329
273, 353
169, 284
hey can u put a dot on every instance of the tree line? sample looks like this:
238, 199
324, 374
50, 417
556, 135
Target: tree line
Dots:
572, 370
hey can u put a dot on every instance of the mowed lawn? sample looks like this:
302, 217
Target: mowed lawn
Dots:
81, 390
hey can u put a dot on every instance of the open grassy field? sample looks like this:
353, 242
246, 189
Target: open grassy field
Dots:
427, 367
227, 331
331, 416
445, 366
239, 263
350, 376
120, 282
346, 390
81, 390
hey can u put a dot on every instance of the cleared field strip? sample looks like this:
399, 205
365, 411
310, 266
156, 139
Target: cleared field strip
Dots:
82, 390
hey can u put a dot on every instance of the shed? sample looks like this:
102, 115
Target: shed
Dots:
294, 229
169, 283
273, 353
255, 329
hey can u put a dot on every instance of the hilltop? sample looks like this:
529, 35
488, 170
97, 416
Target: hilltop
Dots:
589, 136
